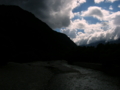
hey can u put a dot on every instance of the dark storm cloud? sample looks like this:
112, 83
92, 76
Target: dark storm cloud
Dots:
54, 12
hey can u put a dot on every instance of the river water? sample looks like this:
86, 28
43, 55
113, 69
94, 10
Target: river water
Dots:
87, 79
54, 76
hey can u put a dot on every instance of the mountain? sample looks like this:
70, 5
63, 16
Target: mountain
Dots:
25, 38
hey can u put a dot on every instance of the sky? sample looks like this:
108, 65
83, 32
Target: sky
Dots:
84, 21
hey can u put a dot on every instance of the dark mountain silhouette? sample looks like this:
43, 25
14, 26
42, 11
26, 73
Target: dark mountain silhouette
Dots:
25, 38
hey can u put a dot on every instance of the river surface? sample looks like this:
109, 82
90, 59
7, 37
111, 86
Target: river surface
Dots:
55, 76
87, 79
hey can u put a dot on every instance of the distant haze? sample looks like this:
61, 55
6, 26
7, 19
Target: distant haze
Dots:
84, 21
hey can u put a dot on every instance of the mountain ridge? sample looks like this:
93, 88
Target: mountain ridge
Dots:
25, 36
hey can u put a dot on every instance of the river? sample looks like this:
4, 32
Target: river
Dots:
54, 76
87, 79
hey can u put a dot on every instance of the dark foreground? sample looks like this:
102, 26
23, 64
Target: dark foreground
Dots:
54, 76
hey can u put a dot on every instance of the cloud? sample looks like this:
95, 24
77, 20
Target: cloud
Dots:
72, 29
116, 20
110, 8
105, 31
111, 18
96, 12
82, 1
70, 33
81, 25
118, 6
112, 15
77, 24
111, 1
56, 13
98, 1
52, 11
109, 35
116, 33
